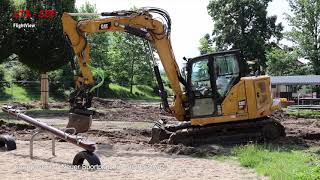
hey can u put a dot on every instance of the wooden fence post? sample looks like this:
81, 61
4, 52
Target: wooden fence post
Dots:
44, 91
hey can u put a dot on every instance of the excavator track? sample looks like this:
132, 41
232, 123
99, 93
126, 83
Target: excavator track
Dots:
258, 130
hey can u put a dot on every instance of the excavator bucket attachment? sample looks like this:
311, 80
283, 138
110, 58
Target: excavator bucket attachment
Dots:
159, 133
81, 123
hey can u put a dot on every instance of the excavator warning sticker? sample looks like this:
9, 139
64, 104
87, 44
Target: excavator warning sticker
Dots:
104, 26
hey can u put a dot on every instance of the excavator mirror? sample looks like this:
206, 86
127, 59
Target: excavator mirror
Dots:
184, 58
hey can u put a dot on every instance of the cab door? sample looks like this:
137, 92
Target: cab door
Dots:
202, 90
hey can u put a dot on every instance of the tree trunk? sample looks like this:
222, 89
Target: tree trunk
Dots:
132, 74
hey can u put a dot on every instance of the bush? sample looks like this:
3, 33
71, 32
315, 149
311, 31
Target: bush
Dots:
2, 73
2, 86
61, 81
21, 72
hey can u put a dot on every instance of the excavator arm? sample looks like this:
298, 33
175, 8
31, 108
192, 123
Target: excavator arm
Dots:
139, 23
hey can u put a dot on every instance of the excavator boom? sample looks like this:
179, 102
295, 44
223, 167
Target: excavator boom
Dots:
140, 23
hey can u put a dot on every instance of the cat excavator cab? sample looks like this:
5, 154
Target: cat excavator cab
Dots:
216, 100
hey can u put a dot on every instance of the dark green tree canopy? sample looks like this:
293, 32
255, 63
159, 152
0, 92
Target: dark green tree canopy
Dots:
6, 43
244, 24
284, 62
206, 45
44, 48
305, 23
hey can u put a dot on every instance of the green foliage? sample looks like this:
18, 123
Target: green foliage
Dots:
244, 25
279, 162
60, 82
305, 113
282, 62
20, 93
2, 70
88, 8
6, 44
206, 45
139, 92
44, 48
21, 72
2, 85
129, 57
123, 57
305, 23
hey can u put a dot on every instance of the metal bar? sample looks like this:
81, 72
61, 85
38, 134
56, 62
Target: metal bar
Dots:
31, 141
39, 131
87, 145
53, 145
85, 14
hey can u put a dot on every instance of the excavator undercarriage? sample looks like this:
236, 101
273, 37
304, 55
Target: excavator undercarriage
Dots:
259, 130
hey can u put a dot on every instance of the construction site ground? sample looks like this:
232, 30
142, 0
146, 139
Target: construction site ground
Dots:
122, 130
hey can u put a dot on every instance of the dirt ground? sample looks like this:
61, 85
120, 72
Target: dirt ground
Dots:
122, 130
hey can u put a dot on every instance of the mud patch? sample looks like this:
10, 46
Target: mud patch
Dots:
120, 110
22, 106
11, 126
303, 132
110, 103
134, 139
136, 136
200, 151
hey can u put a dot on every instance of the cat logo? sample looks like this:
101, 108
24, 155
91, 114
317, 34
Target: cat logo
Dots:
105, 26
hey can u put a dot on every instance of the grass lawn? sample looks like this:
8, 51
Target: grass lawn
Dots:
278, 162
305, 113
138, 92
17, 93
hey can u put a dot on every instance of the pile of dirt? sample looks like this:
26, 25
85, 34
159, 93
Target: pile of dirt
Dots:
59, 105
136, 136
110, 103
12, 126
299, 131
132, 138
19, 130
119, 110
22, 106
199, 151
280, 115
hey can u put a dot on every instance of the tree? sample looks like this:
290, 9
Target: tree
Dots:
99, 43
43, 48
123, 57
6, 9
244, 25
305, 23
87, 7
283, 62
206, 45
130, 61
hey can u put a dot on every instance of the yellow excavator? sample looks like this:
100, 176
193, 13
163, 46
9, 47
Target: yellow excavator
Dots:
215, 99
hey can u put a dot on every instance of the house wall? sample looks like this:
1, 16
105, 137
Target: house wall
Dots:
304, 91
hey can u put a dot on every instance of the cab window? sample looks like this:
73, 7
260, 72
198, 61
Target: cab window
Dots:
200, 78
227, 70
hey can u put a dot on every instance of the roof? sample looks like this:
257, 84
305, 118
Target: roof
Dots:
304, 60
296, 80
